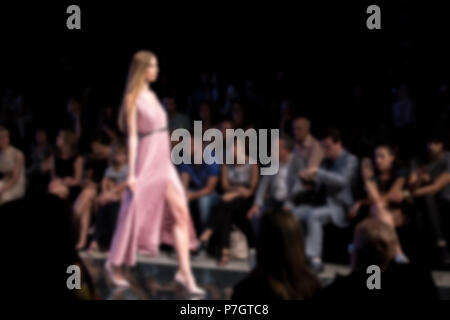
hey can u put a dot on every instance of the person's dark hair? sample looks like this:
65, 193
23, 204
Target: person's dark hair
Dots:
101, 138
3, 128
226, 118
119, 146
71, 139
288, 143
394, 151
436, 136
374, 243
332, 133
281, 256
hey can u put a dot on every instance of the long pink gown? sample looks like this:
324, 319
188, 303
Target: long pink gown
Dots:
145, 219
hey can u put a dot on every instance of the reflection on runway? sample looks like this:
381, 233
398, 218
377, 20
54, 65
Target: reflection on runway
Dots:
152, 278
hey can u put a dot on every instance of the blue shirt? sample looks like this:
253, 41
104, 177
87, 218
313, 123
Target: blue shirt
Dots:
199, 173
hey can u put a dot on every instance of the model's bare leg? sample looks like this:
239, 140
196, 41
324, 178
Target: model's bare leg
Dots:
180, 212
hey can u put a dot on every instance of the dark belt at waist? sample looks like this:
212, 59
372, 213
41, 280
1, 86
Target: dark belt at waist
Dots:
145, 134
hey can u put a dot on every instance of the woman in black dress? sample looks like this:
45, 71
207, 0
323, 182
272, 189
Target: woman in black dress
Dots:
66, 167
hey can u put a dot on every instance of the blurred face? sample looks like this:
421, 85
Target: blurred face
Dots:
108, 112
283, 151
301, 129
60, 140
96, 147
170, 104
73, 106
331, 149
224, 126
204, 111
120, 157
384, 159
435, 148
237, 112
152, 70
41, 137
4, 139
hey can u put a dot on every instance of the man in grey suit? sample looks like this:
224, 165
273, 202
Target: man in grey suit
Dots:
335, 176
273, 190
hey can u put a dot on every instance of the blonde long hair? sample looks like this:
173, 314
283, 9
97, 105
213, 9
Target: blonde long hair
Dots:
135, 81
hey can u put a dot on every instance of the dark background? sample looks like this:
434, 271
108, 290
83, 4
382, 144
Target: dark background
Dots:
325, 49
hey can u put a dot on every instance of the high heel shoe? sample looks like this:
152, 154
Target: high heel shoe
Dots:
192, 291
114, 280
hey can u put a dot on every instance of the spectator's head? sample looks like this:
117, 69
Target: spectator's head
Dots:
285, 147
143, 70
374, 243
40, 136
170, 104
332, 143
73, 106
225, 124
302, 128
4, 138
385, 157
204, 112
281, 256
100, 146
286, 109
67, 141
238, 115
435, 144
119, 155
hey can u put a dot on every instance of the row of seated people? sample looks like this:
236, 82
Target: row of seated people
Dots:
316, 181
90, 185
321, 183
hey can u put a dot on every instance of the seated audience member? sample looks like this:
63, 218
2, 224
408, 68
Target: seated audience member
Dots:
388, 182
273, 190
205, 115
306, 145
224, 124
239, 182
66, 167
375, 244
12, 170
430, 188
287, 116
281, 271
238, 116
108, 202
335, 177
108, 123
37, 172
176, 119
200, 181
95, 166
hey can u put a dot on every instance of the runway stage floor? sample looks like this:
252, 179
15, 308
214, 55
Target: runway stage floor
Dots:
152, 277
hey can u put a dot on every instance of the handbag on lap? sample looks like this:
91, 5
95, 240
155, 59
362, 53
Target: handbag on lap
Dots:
238, 244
